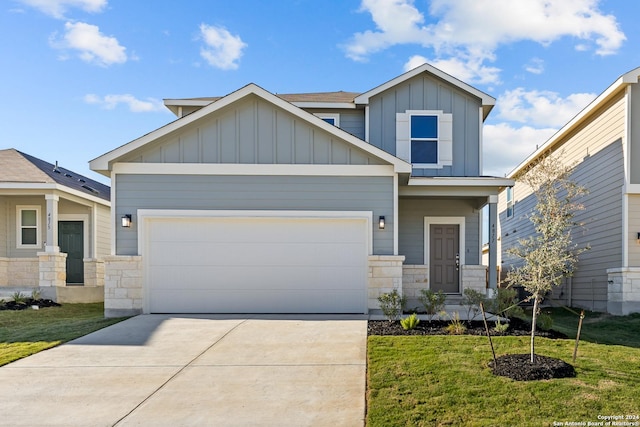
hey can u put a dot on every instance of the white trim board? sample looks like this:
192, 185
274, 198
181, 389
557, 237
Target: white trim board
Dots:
456, 220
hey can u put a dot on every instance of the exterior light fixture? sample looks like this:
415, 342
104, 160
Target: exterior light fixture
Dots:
381, 223
126, 221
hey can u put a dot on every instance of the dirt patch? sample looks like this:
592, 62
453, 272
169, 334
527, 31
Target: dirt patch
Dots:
28, 303
519, 367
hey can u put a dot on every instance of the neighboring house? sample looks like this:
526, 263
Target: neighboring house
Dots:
304, 203
54, 228
603, 141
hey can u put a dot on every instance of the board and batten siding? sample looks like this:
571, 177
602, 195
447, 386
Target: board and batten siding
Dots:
411, 213
425, 92
253, 131
351, 121
596, 149
214, 192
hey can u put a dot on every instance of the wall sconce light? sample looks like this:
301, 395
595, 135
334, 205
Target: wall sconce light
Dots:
126, 221
381, 223
638, 237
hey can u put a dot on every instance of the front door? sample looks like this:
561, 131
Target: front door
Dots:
444, 257
71, 242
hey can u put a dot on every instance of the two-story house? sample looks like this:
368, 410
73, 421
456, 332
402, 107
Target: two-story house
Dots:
602, 144
303, 203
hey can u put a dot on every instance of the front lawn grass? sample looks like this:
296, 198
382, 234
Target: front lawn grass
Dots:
444, 380
26, 332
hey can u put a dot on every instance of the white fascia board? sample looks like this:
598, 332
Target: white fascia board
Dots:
628, 78
103, 163
487, 100
251, 169
326, 105
461, 182
16, 187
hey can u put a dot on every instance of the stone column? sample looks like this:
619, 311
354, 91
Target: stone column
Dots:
385, 275
53, 269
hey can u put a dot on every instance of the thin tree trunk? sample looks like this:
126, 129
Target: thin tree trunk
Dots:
533, 326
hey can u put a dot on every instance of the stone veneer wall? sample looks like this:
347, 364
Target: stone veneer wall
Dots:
385, 275
123, 286
53, 269
19, 272
93, 272
623, 293
474, 277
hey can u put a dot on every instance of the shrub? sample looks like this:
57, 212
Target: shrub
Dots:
544, 321
19, 298
505, 303
472, 299
433, 302
410, 322
392, 304
501, 327
36, 295
456, 326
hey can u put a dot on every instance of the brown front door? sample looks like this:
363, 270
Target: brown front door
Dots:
444, 257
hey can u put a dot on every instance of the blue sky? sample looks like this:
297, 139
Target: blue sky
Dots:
82, 77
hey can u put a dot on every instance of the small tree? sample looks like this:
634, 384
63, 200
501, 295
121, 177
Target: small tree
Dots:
550, 254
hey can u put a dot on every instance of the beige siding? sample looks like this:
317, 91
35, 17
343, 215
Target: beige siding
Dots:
12, 203
596, 149
634, 229
252, 131
4, 224
103, 235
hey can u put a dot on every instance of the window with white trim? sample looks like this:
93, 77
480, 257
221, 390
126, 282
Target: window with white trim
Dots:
332, 119
28, 226
509, 202
425, 138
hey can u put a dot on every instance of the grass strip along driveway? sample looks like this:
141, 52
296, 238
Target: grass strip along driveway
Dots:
25, 332
444, 380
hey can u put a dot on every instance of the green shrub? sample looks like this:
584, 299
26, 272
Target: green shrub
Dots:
392, 304
456, 326
505, 303
544, 321
410, 322
36, 295
433, 302
472, 299
501, 327
19, 297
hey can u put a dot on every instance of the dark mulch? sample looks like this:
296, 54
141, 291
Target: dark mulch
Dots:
41, 303
514, 366
517, 327
519, 367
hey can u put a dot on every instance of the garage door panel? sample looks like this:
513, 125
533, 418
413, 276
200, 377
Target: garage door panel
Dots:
252, 301
260, 265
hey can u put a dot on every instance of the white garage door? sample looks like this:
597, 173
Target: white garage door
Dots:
256, 265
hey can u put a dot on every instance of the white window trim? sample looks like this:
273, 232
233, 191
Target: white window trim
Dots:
334, 116
509, 192
19, 209
444, 139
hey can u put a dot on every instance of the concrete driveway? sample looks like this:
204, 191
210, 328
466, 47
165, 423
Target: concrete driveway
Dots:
167, 370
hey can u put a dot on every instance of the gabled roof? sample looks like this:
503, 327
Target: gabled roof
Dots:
621, 83
340, 99
104, 163
487, 100
18, 168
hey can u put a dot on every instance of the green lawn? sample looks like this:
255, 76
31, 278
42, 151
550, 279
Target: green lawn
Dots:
444, 380
26, 332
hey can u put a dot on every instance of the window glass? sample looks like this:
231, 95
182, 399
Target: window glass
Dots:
509, 202
424, 127
29, 236
424, 151
28, 218
329, 120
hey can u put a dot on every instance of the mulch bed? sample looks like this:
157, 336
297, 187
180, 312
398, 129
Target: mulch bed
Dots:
515, 366
27, 304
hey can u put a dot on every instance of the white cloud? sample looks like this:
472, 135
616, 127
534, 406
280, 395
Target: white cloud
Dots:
134, 104
505, 146
469, 31
223, 50
91, 44
535, 66
58, 8
540, 108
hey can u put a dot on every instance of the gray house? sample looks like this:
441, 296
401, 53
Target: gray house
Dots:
54, 228
303, 203
604, 144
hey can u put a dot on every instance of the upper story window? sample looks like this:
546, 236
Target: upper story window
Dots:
332, 119
509, 202
424, 138
28, 226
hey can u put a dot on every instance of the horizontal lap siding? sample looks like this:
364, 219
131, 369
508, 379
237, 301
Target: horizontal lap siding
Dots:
4, 224
411, 230
195, 192
597, 149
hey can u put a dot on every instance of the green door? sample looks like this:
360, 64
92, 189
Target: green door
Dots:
71, 242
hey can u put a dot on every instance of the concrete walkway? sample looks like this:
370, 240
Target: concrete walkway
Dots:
162, 370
